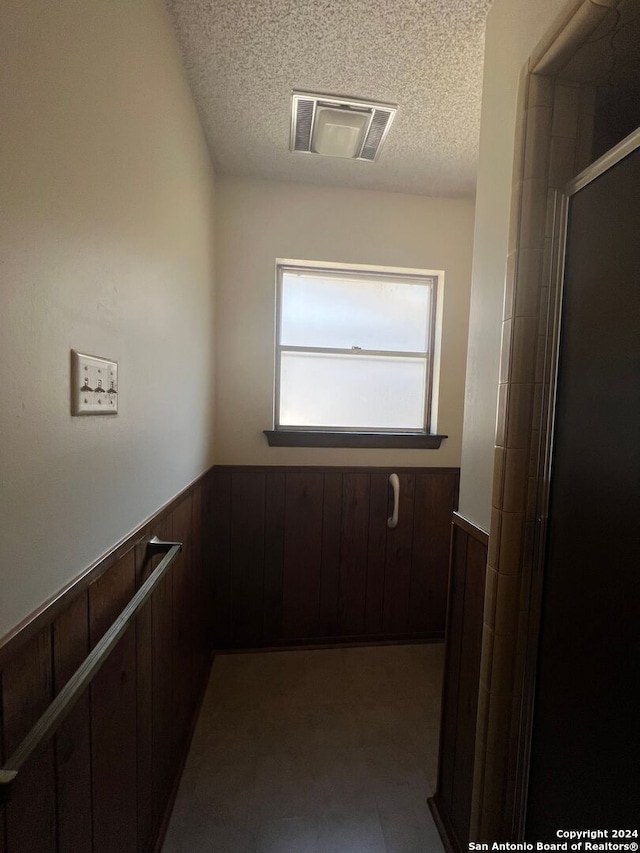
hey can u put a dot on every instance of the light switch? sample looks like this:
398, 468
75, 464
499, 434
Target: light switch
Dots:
94, 385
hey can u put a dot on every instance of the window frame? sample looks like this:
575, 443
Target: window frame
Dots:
343, 434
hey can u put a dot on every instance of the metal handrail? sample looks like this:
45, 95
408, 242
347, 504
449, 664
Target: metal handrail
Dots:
82, 677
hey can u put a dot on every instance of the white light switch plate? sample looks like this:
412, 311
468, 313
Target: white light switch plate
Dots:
94, 385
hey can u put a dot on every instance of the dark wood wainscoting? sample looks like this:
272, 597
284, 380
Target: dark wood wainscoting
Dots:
105, 782
451, 804
304, 555
271, 557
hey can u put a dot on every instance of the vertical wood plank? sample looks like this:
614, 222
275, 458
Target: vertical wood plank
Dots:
184, 623
201, 604
2, 815
433, 508
273, 555
73, 738
330, 568
247, 557
220, 560
469, 680
376, 556
30, 813
398, 562
353, 554
163, 733
451, 687
302, 554
208, 554
2, 758
144, 700
113, 716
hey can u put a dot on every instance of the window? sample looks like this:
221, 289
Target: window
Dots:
354, 353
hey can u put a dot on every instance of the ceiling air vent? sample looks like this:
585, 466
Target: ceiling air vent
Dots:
339, 127
304, 119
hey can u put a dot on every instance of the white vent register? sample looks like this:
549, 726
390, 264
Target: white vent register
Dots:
339, 127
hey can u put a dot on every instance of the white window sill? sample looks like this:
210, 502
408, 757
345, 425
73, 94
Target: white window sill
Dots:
327, 438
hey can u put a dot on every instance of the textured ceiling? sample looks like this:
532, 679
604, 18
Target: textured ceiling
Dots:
244, 57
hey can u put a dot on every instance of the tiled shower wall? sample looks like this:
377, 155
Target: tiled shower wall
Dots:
553, 143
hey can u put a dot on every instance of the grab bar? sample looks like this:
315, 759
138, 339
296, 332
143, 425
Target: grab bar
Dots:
82, 677
394, 480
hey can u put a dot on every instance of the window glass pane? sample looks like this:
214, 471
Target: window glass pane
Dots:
324, 311
370, 392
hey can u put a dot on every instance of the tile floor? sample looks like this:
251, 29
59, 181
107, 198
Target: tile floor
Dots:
329, 751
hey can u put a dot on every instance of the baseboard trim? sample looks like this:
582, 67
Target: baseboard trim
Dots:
337, 469
351, 643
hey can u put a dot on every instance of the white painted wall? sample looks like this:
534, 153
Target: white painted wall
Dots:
514, 29
106, 226
259, 221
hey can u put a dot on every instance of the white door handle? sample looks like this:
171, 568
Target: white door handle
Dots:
394, 480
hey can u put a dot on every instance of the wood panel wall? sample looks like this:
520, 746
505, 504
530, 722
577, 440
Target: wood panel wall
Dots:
304, 555
271, 557
104, 783
451, 803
